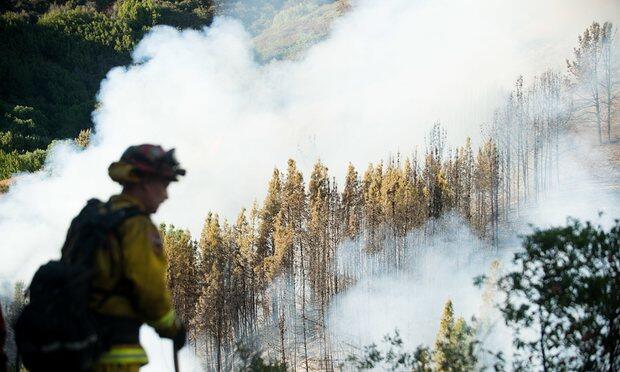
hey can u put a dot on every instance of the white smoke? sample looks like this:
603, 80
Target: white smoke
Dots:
387, 72
443, 265
411, 299
587, 186
435, 269
160, 354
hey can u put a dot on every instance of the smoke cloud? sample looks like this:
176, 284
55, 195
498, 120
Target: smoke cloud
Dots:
442, 266
435, 269
374, 86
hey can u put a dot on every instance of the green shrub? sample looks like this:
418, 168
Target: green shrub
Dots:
14, 162
562, 299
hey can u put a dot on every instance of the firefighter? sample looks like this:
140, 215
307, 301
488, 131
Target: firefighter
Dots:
129, 287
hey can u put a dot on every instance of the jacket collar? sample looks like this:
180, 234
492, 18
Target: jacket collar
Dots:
123, 200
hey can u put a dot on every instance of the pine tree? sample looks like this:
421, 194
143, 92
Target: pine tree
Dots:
83, 139
335, 233
487, 179
419, 209
454, 345
245, 285
609, 72
211, 308
294, 212
441, 353
434, 177
280, 264
406, 197
467, 175
372, 206
390, 183
352, 202
586, 71
293, 221
183, 276
265, 245
318, 193
453, 168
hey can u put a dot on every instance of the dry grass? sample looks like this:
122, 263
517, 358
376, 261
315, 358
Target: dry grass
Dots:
4, 185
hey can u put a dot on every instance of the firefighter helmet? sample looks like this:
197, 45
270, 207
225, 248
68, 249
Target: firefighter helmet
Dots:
145, 161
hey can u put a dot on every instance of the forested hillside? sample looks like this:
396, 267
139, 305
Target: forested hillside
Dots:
273, 272
54, 56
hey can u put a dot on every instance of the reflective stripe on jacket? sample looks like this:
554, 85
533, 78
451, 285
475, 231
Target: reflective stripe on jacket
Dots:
124, 354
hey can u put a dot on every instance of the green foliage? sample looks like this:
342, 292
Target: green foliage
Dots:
395, 358
139, 15
284, 28
455, 350
181, 251
14, 162
562, 300
455, 344
55, 54
50, 72
186, 13
86, 24
19, 131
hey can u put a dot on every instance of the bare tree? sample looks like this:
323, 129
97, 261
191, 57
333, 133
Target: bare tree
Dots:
609, 72
586, 72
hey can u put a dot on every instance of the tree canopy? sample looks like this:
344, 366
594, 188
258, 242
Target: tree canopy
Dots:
54, 56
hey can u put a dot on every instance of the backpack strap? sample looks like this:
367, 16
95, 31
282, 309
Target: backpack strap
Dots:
111, 221
100, 225
77, 251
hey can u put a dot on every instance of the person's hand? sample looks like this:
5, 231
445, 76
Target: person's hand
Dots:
180, 338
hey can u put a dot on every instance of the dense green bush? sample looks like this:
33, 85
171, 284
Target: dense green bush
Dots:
561, 299
14, 162
53, 67
19, 129
139, 15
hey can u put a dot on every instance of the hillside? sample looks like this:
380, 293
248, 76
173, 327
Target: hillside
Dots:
296, 27
57, 52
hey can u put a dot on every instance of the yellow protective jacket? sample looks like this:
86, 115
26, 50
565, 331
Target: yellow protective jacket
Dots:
129, 287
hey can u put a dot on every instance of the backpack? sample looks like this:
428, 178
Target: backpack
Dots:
57, 330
